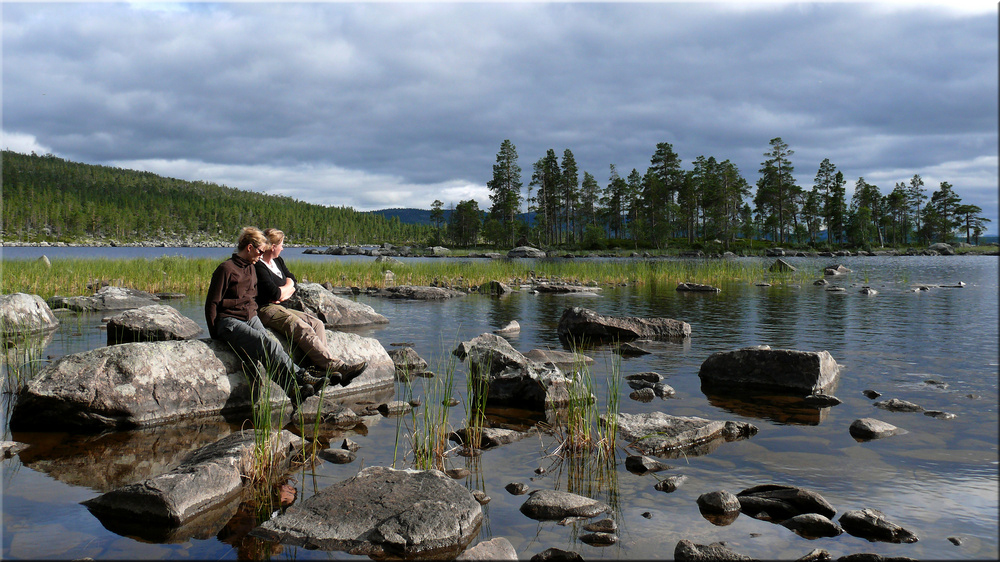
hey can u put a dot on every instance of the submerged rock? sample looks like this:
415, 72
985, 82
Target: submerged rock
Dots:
106, 298
641, 464
687, 551
559, 358
420, 293
897, 405
382, 512
780, 502
579, 323
509, 329
156, 322
697, 288
663, 435
873, 525
719, 507
670, 483
763, 368
865, 429
812, 526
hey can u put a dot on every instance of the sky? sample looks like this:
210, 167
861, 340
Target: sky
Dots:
397, 104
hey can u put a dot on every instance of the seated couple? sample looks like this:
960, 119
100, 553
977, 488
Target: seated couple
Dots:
245, 295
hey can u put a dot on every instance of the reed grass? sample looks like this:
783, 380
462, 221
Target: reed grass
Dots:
71, 277
22, 360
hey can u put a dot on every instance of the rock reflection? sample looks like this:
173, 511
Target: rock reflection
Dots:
203, 526
111, 460
791, 410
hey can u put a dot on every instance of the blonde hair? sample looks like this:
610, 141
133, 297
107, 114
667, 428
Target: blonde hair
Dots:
274, 236
252, 235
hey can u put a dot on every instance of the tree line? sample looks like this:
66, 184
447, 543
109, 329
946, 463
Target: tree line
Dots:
48, 198
711, 200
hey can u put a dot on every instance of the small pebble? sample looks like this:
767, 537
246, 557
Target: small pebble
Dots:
647, 515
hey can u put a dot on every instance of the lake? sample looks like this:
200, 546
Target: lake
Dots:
936, 348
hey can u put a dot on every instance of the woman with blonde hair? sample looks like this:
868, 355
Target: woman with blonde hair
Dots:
231, 314
276, 285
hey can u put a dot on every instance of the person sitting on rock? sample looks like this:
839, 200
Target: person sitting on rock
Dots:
275, 284
231, 314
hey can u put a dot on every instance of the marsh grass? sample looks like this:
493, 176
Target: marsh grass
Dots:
431, 427
22, 360
70, 277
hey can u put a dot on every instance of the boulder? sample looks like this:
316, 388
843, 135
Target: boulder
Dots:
139, 384
942, 248
382, 512
156, 322
420, 293
720, 507
438, 251
697, 288
22, 314
555, 505
510, 377
406, 362
525, 252
866, 429
487, 437
777, 503
559, 358
333, 311
495, 288
557, 555
872, 524
781, 266
641, 464
663, 435
762, 368
687, 551
579, 323
106, 298
836, 269
563, 288
498, 548
211, 476
897, 405
509, 329
670, 483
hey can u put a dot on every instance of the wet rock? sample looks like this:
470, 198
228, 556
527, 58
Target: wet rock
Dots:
871, 394
157, 322
868, 291
626, 349
337, 456
509, 329
481, 497
382, 512
602, 526
106, 298
781, 370
211, 476
557, 555
957, 541
940, 415
333, 311
599, 539
872, 524
812, 526
697, 288
648, 378
781, 266
510, 377
498, 548
554, 505
816, 555
687, 551
897, 405
517, 488
782, 502
22, 314
495, 288
457, 473
525, 252
641, 464
821, 282
559, 358
395, 408
670, 483
643, 395
822, 400
871, 428
563, 288
660, 434
664, 390
580, 323
420, 293
350, 445
488, 437
836, 269
406, 362
836, 289
719, 507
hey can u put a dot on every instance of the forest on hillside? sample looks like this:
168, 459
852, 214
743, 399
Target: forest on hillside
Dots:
46, 198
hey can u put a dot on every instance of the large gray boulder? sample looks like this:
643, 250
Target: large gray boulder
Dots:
382, 512
554, 505
139, 384
510, 377
209, 477
666, 436
942, 248
106, 298
525, 252
762, 368
22, 314
579, 323
333, 311
156, 322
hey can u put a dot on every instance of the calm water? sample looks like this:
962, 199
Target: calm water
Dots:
939, 480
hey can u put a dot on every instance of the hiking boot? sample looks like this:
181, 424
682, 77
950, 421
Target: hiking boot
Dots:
355, 373
351, 370
305, 391
311, 378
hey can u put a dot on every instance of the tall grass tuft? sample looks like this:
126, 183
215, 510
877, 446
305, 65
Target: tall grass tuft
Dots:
22, 360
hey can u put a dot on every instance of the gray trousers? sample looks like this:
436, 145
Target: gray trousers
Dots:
251, 343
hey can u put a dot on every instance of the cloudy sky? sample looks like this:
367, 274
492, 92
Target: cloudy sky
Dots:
378, 105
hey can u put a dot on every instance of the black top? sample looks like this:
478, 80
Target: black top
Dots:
269, 284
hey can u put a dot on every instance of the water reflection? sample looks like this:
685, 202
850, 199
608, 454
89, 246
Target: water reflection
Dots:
777, 408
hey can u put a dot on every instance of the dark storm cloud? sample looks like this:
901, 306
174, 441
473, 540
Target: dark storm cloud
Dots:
372, 104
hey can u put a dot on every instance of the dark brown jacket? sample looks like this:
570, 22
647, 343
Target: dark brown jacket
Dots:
232, 292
